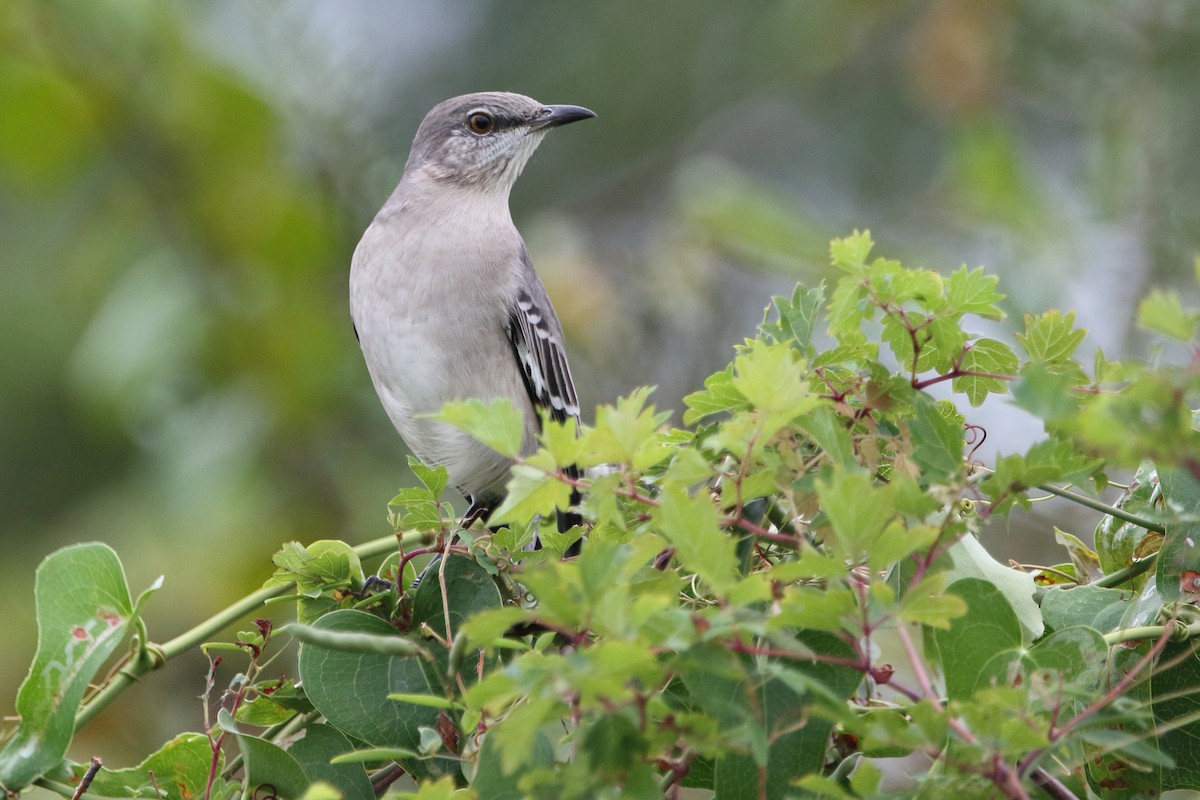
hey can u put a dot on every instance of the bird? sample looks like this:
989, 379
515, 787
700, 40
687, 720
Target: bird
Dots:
444, 299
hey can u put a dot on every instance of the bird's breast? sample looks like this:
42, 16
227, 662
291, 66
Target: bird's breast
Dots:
430, 299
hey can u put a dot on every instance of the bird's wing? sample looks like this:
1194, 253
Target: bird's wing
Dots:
537, 342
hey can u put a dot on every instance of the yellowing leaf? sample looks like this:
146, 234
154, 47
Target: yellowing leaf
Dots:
497, 424
772, 378
690, 524
1163, 312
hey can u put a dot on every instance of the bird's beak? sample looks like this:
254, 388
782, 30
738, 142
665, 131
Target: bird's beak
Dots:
553, 116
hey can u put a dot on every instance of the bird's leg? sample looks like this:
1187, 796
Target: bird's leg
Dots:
476, 511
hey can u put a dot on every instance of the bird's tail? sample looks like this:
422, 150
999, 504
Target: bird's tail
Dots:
570, 518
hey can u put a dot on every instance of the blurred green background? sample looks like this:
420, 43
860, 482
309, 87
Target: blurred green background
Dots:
182, 186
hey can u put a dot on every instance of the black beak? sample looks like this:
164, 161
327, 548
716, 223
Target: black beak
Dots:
553, 116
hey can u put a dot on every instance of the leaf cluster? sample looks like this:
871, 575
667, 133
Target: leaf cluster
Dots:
772, 597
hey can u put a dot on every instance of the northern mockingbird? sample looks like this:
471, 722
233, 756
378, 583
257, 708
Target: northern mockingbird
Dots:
445, 302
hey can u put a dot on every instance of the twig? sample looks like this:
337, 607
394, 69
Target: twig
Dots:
1104, 508
87, 778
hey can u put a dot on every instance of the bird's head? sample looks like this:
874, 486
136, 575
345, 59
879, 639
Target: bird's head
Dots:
483, 140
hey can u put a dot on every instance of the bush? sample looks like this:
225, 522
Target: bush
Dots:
773, 600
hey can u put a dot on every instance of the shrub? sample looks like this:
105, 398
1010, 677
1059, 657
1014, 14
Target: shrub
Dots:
773, 600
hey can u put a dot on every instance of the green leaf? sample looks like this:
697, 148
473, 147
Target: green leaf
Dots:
689, 467
1083, 558
718, 396
1177, 573
1071, 661
1177, 714
973, 292
866, 778
772, 378
262, 711
324, 564
797, 317
561, 441
985, 358
1046, 393
848, 308
771, 738
816, 785
1182, 491
317, 570
314, 752
430, 700
83, 614
531, 492
897, 335
689, 523
1046, 461
830, 431
432, 478
266, 764
442, 789
468, 590
606, 742
999, 714
895, 286
971, 560
485, 628
828, 609
970, 644
850, 254
927, 603
179, 769
373, 754
497, 424
899, 540
856, 511
1091, 605
937, 436
492, 782
627, 434
1162, 311
1125, 764
350, 688
1106, 371
1050, 336
949, 343
1148, 419
1119, 542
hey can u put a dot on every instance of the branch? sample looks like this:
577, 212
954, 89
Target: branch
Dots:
1116, 691
1115, 579
1179, 632
962, 373
151, 656
1104, 508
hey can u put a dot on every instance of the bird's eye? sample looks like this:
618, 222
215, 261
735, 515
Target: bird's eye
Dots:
480, 123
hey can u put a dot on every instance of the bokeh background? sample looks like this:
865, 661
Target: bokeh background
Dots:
182, 186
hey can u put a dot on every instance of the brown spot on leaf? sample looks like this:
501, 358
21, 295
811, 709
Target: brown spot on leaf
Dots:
1189, 584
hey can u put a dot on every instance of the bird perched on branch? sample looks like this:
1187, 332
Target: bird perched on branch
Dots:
444, 298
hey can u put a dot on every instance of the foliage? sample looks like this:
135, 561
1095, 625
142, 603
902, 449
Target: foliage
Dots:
772, 601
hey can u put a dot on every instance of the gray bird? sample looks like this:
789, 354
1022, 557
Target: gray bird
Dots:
444, 299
